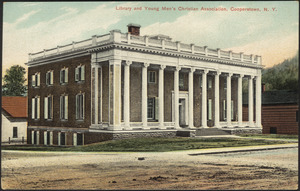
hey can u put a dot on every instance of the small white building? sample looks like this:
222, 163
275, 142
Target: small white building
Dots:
14, 120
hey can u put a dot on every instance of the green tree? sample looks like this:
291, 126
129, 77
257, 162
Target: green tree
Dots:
13, 81
283, 76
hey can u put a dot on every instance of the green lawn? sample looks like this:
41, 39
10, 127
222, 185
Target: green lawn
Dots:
153, 145
271, 136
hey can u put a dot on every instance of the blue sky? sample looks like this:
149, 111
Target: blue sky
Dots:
33, 26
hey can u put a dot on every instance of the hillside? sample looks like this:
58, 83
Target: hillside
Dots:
283, 76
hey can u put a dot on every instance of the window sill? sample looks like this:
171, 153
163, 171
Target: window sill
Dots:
63, 84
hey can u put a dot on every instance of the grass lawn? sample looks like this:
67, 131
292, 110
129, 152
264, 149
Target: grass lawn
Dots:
153, 145
271, 136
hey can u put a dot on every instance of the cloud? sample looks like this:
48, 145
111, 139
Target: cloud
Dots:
29, 4
26, 16
65, 28
239, 32
273, 50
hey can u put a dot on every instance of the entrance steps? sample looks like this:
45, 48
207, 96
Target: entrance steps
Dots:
211, 132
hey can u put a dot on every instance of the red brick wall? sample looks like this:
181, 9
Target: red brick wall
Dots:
71, 88
283, 117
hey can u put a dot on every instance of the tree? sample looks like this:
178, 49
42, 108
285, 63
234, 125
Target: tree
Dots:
283, 76
13, 81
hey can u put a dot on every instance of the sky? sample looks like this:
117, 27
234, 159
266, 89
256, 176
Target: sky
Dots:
272, 32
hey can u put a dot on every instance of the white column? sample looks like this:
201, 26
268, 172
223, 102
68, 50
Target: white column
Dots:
250, 102
161, 96
229, 100
240, 100
176, 96
126, 108
204, 99
191, 98
258, 102
217, 99
115, 94
96, 93
144, 94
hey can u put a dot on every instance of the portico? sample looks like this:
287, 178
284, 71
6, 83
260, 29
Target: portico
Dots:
152, 76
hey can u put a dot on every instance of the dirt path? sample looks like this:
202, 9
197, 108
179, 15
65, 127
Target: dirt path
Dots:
272, 169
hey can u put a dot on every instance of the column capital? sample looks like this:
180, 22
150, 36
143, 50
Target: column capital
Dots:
146, 64
192, 69
230, 74
177, 68
242, 75
251, 77
128, 62
162, 67
218, 72
205, 71
94, 64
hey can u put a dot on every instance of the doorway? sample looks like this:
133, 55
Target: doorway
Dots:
182, 111
182, 108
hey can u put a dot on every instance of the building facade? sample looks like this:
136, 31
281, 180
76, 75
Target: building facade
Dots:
14, 120
121, 85
280, 112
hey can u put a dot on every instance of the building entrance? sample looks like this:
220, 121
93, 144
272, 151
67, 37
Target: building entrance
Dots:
182, 111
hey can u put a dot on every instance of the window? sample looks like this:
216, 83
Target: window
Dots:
152, 108
61, 138
232, 111
151, 77
47, 138
77, 139
15, 132
273, 130
297, 115
209, 83
181, 81
79, 73
48, 107
64, 76
35, 80
35, 137
49, 78
64, 107
224, 110
209, 105
80, 106
200, 81
225, 84
35, 109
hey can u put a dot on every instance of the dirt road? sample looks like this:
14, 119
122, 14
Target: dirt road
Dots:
268, 169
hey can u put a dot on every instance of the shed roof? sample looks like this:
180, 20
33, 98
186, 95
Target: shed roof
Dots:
280, 97
15, 106
276, 97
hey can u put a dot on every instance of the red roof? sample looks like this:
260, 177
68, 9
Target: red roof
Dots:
15, 106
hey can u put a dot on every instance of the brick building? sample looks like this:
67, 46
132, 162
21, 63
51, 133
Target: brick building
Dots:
280, 112
121, 85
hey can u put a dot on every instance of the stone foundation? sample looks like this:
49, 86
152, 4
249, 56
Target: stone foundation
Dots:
90, 137
238, 131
